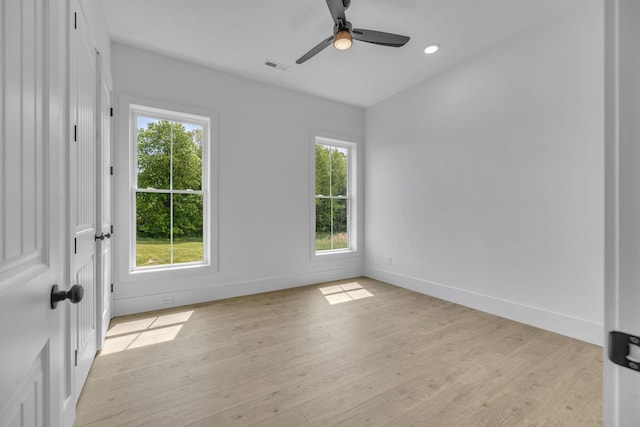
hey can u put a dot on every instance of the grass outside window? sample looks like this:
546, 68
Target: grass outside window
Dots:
153, 252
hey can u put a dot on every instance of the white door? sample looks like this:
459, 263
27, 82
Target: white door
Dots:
103, 208
82, 182
31, 186
622, 193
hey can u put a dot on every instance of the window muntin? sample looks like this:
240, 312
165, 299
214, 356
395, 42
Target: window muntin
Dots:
333, 197
169, 189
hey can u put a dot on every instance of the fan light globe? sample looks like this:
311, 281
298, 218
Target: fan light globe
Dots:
342, 40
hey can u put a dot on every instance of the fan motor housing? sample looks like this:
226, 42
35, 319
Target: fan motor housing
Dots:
345, 27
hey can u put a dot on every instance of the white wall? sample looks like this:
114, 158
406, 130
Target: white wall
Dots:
485, 183
98, 27
263, 162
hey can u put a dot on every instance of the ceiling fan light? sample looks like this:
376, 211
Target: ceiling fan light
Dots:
342, 40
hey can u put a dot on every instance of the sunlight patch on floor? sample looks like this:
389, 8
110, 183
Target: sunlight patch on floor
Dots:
143, 332
344, 293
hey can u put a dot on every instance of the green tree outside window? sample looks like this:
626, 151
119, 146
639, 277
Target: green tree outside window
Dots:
169, 197
332, 198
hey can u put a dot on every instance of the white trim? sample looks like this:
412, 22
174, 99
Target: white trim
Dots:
621, 385
611, 373
181, 297
560, 323
354, 183
136, 111
125, 217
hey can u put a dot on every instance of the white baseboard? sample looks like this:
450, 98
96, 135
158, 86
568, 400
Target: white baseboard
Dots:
573, 327
143, 303
581, 329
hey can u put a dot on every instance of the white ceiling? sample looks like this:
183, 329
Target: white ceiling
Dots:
237, 36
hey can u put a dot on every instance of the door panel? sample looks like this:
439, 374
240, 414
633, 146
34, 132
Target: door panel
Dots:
83, 194
86, 322
31, 334
22, 121
26, 407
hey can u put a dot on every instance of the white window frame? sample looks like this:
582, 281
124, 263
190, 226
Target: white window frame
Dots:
352, 197
172, 113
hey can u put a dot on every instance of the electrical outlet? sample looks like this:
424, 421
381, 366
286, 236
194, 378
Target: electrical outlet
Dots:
166, 300
388, 260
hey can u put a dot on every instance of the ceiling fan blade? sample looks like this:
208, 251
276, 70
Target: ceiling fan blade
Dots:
313, 52
378, 37
336, 8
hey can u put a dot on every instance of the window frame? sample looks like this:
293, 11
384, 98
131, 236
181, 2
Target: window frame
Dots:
352, 196
209, 233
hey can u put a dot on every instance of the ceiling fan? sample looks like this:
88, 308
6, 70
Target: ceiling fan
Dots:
344, 33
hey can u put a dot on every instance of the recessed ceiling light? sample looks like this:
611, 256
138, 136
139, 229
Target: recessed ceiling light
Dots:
432, 48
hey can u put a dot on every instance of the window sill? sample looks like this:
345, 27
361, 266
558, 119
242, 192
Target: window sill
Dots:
337, 254
174, 272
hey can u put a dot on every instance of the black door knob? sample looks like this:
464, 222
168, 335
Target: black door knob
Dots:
75, 295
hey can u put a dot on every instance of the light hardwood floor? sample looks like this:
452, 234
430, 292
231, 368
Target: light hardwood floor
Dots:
291, 358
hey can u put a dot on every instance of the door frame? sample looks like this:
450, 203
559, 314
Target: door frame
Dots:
104, 172
621, 385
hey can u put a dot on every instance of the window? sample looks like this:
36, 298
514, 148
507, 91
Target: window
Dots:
169, 188
334, 202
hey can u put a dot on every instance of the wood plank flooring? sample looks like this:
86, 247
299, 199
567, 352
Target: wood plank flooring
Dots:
379, 355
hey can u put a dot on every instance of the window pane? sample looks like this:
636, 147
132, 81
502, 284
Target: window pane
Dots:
340, 237
153, 238
187, 228
187, 156
323, 224
338, 171
154, 152
322, 170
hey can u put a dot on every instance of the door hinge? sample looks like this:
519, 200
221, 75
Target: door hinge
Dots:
75, 245
75, 20
624, 350
75, 133
112, 288
112, 229
76, 357
111, 170
111, 111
